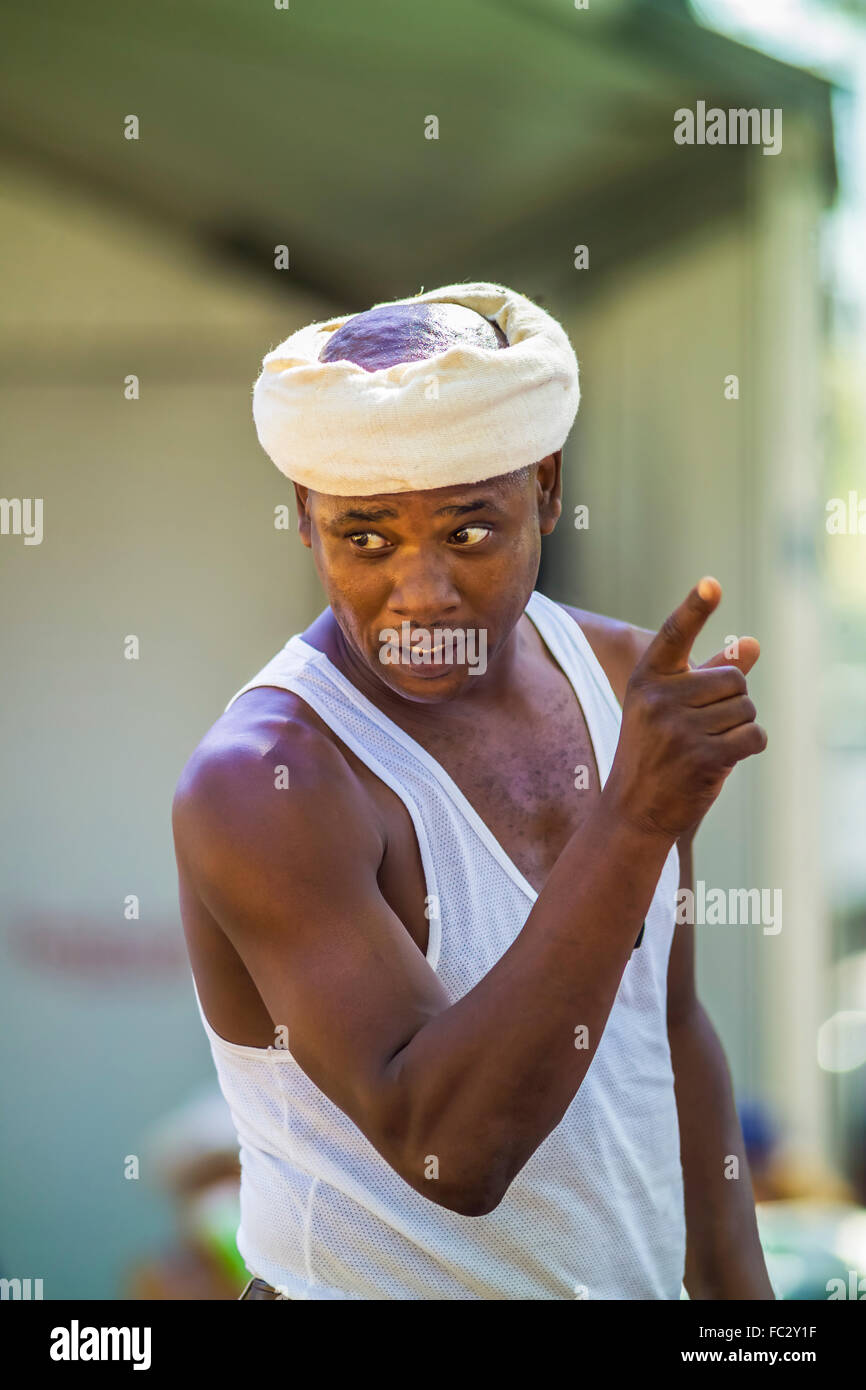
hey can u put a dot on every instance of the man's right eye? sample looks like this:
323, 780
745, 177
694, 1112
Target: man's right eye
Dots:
364, 536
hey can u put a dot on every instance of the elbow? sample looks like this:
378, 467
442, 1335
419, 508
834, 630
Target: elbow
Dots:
466, 1193
438, 1165
477, 1204
483, 1194
464, 1201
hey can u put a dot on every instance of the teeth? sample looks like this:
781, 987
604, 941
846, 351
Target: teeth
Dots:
422, 647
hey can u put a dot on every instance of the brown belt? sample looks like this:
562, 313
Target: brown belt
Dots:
257, 1288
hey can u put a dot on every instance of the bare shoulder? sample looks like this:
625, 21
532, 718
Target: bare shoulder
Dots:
262, 770
617, 645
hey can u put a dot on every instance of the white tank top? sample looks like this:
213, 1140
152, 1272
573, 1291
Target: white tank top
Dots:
597, 1211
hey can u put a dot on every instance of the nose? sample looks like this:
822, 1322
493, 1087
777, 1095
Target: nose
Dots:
424, 599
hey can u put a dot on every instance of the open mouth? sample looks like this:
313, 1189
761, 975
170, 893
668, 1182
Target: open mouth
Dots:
428, 651
422, 646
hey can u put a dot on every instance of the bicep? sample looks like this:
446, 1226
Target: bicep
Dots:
291, 878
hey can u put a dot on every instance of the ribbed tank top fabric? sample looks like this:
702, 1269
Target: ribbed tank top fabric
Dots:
598, 1210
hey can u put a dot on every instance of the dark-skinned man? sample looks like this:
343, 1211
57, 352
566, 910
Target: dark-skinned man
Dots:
428, 886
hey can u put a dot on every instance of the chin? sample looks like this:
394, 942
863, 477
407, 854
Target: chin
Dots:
427, 688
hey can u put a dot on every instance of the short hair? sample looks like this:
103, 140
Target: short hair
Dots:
394, 333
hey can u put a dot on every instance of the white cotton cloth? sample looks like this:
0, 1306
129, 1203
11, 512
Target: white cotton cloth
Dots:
460, 416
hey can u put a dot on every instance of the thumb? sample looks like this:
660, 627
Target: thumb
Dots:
748, 651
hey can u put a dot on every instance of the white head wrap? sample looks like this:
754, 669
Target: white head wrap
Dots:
466, 414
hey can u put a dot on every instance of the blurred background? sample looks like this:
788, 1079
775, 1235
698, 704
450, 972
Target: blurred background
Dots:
716, 299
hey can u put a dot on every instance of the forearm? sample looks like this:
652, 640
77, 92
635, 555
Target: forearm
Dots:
724, 1259
484, 1082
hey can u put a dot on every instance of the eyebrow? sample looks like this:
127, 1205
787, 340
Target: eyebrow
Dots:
373, 514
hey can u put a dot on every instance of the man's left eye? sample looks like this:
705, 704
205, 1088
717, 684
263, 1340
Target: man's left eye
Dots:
467, 530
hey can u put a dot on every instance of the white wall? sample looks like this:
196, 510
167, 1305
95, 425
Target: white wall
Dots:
681, 482
158, 522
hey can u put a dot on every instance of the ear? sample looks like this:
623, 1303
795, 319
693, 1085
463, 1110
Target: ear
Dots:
549, 491
302, 496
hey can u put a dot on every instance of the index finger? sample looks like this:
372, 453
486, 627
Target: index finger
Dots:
668, 652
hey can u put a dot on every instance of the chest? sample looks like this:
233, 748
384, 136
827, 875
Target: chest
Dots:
532, 783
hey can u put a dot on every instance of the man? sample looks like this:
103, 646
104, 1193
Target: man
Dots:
428, 886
